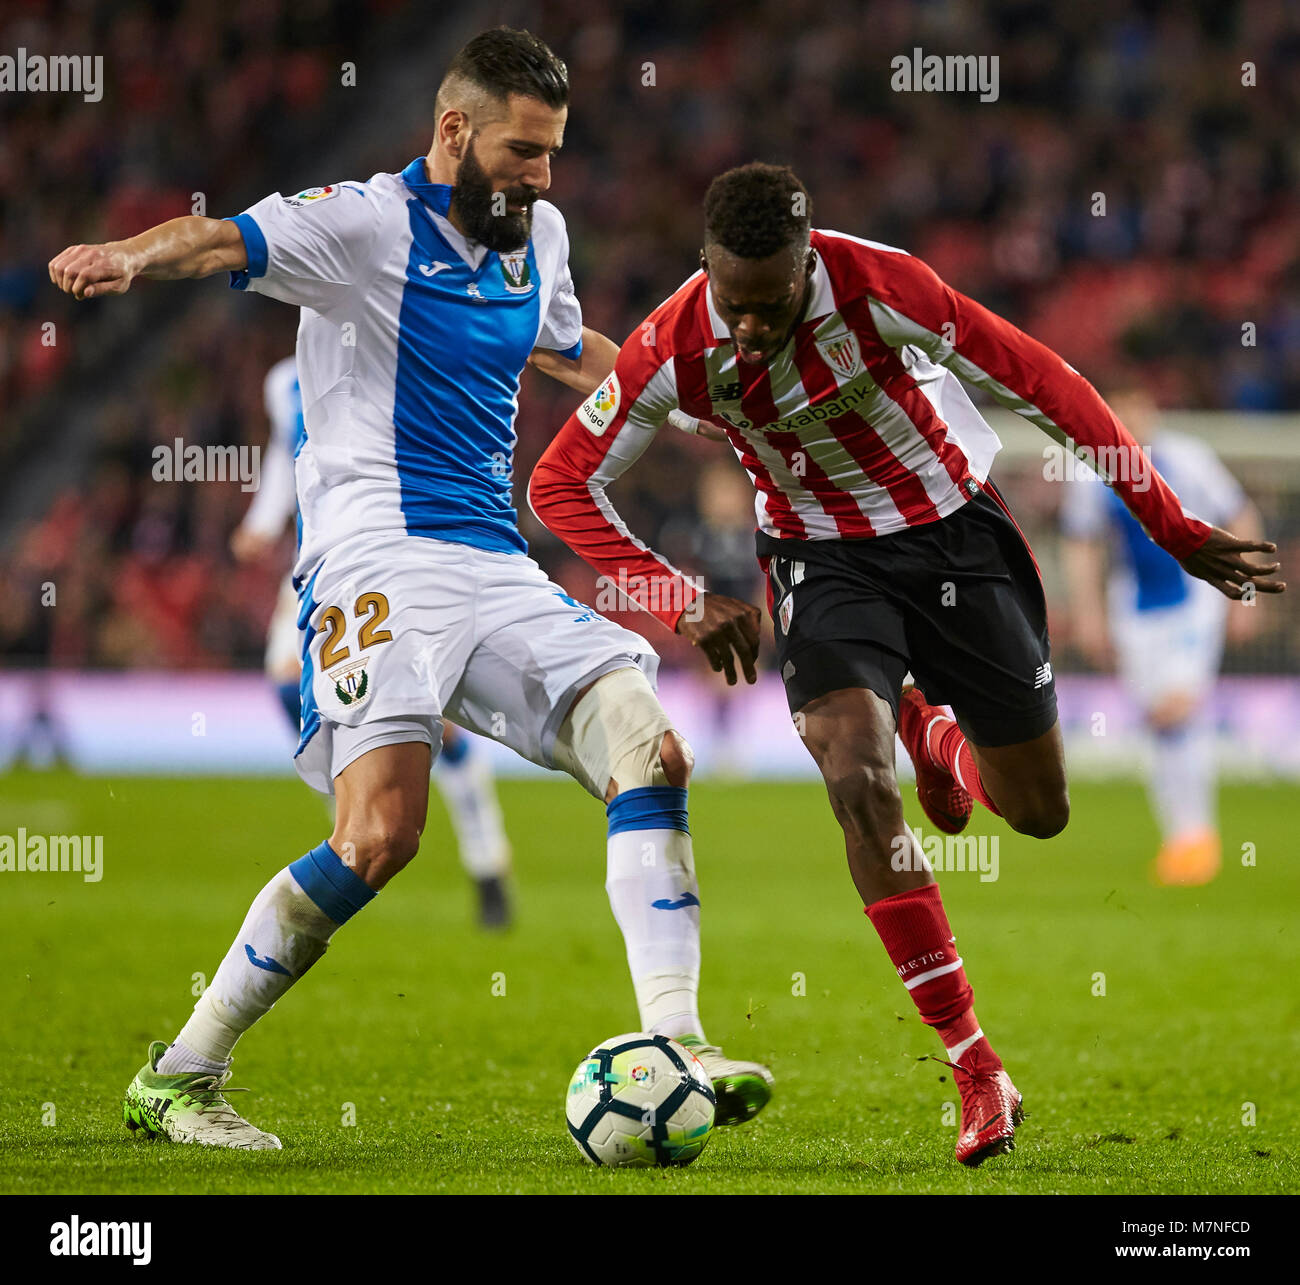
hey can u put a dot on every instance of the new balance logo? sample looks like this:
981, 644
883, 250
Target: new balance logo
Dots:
687, 899
432, 269
725, 392
1042, 675
271, 965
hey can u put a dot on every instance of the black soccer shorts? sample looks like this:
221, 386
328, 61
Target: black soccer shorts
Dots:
958, 602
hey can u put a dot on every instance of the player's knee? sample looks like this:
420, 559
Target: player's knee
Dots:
617, 737
864, 790
1041, 816
675, 760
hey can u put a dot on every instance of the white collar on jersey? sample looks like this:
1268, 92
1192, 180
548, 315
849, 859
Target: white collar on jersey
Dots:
822, 303
472, 252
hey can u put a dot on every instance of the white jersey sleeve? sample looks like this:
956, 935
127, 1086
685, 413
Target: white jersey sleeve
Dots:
312, 248
276, 500
561, 329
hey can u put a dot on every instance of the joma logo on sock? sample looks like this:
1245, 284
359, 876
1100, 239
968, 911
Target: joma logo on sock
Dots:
75, 1239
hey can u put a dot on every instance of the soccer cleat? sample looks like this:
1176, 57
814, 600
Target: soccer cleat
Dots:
493, 903
742, 1089
991, 1107
1188, 861
189, 1108
947, 804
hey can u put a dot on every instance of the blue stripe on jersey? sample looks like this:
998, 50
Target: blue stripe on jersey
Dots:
254, 248
299, 441
1160, 581
463, 338
308, 711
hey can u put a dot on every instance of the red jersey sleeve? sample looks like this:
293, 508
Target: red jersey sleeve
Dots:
909, 304
598, 442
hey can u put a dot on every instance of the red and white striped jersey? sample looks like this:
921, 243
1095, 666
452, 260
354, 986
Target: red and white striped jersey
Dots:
859, 427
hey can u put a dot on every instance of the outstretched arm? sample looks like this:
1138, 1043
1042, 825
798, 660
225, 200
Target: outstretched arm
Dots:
180, 248
912, 306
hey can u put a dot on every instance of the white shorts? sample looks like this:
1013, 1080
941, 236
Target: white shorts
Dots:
1169, 650
283, 646
399, 632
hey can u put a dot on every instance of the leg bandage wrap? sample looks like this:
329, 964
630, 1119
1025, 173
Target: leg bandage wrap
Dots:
614, 733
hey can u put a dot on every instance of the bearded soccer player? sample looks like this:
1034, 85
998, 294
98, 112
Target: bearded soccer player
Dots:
832, 365
423, 294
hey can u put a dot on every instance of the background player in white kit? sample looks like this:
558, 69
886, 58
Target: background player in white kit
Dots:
461, 771
423, 295
1165, 629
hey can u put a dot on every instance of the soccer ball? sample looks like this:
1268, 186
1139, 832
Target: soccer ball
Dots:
639, 1100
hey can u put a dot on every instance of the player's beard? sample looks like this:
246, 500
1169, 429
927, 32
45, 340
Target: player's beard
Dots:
472, 199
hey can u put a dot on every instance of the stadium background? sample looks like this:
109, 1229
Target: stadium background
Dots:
1153, 1030
152, 619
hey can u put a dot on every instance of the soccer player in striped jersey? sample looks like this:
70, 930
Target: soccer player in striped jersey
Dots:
460, 771
423, 294
833, 367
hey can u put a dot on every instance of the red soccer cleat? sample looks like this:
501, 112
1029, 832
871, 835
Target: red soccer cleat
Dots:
991, 1106
947, 804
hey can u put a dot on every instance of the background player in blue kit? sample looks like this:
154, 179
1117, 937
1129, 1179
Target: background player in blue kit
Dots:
423, 295
1164, 629
460, 771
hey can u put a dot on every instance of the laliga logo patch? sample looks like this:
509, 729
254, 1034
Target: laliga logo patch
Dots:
601, 407
643, 1075
312, 194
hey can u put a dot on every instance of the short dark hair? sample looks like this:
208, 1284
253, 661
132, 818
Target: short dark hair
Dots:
503, 61
756, 210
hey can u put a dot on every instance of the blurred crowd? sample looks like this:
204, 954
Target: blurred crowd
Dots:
1179, 116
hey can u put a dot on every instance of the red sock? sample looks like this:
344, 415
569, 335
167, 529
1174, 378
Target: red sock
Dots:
950, 748
916, 934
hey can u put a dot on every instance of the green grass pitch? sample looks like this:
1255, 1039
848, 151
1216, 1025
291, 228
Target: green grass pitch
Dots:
1150, 1087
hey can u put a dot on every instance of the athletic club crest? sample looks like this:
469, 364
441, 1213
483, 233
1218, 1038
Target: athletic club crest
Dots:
842, 354
515, 273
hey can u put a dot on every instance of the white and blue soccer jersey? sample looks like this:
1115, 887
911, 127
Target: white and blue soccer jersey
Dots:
1167, 627
1145, 577
410, 348
276, 500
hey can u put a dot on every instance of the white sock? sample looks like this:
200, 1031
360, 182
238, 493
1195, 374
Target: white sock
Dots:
469, 791
1182, 777
655, 898
284, 933
180, 1059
